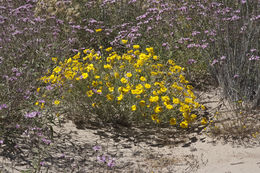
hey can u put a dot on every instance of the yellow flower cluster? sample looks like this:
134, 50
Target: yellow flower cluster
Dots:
135, 80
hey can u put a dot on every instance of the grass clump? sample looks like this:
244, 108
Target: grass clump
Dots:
132, 87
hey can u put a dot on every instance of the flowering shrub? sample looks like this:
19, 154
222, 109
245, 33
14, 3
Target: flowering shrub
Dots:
124, 88
25, 43
198, 34
236, 53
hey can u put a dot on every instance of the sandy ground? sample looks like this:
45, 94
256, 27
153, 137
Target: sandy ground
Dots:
146, 150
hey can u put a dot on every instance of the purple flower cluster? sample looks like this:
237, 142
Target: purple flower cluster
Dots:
97, 148
46, 141
104, 158
3, 106
107, 159
32, 114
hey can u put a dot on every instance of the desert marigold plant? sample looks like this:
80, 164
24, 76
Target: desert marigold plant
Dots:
133, 85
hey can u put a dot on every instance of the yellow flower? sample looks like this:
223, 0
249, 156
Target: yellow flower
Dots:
136, 46
142, 103
109, 49
99, 91
185, 115
120, 89
54, 59
98, 30
175, 101
77, 56
129, 74
120, 97
163, 89
124, 41
156, 83
138, 96
143, 56
78, 78
125, 90
69, 60
153, 73
111, 89
159, 92
107, 66
189, 87
155, 93
138, 70
84, 75
97, 77
123, 80
149, 49
188, 100
172, 121
153, 98
204, 121
57, 69
133, 107
193, 116
147, 85
202, 107
154, 117
116, 74
94, 105
36, 103
94, 83
169, 106
90, 93
158, 109
185, 108
165, 98
110, 97
90, 67
196, 104
38, 90
184, 124
142, 78
182, 79
42, 106
134, 91
56, 102
155, 57
130, 51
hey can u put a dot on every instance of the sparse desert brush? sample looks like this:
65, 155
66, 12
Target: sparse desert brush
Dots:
236, 63
25, 43
123, 88
234, 122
